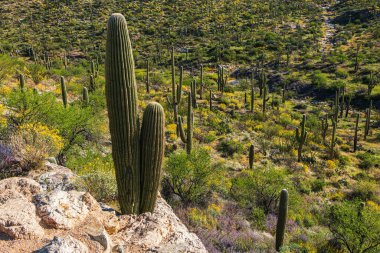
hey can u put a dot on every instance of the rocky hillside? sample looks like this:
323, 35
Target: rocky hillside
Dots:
43, 213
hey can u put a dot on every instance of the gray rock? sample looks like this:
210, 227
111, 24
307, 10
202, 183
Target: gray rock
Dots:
61, 209
65, 244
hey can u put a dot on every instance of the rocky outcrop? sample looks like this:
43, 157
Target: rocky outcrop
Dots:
48, 215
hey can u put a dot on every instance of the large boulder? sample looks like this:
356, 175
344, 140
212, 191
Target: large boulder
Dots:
160, 231
61, 209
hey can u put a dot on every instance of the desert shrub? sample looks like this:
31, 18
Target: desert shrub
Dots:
33, 143
317, 185
8, 66
355, 226
37, 72
98, 178
189, 176
319, 79
228, 147
368, 160
363, 190
260, 188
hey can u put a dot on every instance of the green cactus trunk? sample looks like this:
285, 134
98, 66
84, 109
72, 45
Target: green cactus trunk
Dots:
301, 137
281, 219
22, 82
367, 123
187, 138
152, 145
325, 127
356, 132
251, 156
201, 84
92, 83
333, 140
210, 100
86, 99
265, 100
63, 91
252, 98
147, 77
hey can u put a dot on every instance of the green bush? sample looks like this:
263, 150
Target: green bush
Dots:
189, 176
368, 160
260, 188
228, 147
355, 226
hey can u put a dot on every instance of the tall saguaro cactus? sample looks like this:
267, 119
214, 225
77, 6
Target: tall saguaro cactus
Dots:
147, 77
301, 137
176, 91
325, 127
252, 98
22, 82
137, 155
281, 219
63, 91
86, 99
265, 100
333, 142
187, 138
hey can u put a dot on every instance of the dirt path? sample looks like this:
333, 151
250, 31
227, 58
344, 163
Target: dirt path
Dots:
328, 29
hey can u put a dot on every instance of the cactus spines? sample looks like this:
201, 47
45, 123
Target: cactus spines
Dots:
22, 82
251, 156
325, 127
137, 162
147, 77
265, 99
151, 154
301, 137
281, 219
356, 132
63, 91
333, 142
187, 138
86, 99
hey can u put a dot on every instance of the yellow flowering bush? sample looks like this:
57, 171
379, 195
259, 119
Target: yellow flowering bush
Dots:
330, 165
33, 143
201, 218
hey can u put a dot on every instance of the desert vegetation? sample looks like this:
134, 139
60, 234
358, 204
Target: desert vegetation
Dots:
258, 121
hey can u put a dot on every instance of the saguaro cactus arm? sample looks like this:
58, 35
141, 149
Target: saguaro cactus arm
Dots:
152, 147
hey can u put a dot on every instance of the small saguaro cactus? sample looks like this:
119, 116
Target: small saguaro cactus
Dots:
325, 127
367, 122
265, 100
63, 91
252, 98
262, 81
94, 72
281, 219
92, 83
283, 93
176, 91
301, 137
336, 105
201, 84
147, 77
86, 99
251, 156
342, 102
22, 82
187, 138
348, 104
193, 87
333, 142
356, 132
210, 100
245, 99
137, 154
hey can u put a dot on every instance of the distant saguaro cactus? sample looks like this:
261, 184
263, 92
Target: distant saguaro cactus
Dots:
333, 142
265, 100
187, 138
281, 219
251, 156
325, 127
137, 155
22, 81
85, 96
147, 77
356, 132
301, 137
252, 98
176, 90
63, 91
